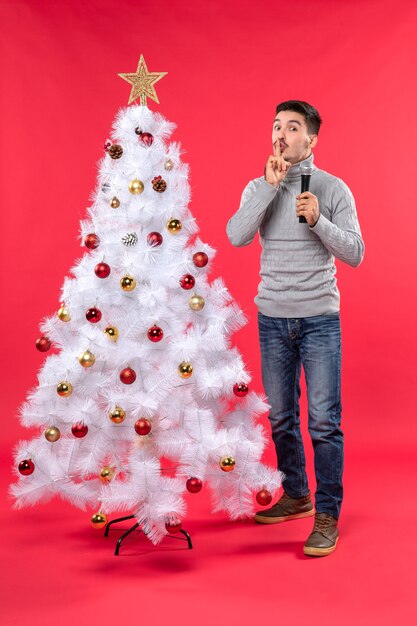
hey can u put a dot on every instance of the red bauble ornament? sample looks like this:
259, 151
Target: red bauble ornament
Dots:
146, 139
155, 239
107, 145
143, 426
263, 497
93, 315
240, 389
173, 525
200, 259
102, 270
91, 241
128, 376
187, 281
194, 485
79, 430
26, 467
155, 334
43, 344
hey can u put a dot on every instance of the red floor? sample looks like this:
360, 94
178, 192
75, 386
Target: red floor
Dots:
58, 571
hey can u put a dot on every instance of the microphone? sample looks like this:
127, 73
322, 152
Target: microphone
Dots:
306, 172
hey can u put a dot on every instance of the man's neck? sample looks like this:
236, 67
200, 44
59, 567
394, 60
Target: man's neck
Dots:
303, 159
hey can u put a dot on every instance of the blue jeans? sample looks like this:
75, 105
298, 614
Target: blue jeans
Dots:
314, 343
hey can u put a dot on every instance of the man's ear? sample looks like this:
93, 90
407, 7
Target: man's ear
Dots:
313, 141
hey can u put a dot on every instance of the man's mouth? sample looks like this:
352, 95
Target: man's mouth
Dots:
282, 146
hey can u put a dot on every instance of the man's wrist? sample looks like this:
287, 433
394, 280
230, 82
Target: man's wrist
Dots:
275, 186
315, 223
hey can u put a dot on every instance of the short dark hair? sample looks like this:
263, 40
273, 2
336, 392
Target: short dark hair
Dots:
310, 114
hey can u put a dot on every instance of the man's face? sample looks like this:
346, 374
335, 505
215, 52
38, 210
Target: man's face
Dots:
291, 133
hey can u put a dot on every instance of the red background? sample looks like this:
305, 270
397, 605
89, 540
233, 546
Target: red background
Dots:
229, 63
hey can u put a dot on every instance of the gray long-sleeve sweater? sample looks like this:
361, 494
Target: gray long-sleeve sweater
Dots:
297, 261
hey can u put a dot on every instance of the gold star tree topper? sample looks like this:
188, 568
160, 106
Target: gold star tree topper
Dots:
143, 82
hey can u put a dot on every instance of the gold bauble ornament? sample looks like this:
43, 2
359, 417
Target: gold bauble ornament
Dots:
63, 313
112, 333
115, 203
106, 474
64, 389
227, 463
169, 165
52, 434
185, 369
128, 283
174, 226
136, 186
98, 520
117, 415
196, 302
87, 359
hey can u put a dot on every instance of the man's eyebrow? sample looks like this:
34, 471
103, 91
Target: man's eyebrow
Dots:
292, 121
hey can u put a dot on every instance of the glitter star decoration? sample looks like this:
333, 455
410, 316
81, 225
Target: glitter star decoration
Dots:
143, 82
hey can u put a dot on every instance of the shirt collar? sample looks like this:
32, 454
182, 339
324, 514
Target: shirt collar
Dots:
295, 170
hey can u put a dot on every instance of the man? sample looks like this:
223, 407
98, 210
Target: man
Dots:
298, 303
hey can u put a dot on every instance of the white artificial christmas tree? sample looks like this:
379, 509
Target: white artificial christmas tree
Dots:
145, 398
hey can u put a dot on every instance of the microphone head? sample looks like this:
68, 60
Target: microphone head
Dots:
306, 169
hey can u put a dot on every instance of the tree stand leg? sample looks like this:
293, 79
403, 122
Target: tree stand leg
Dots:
186, 537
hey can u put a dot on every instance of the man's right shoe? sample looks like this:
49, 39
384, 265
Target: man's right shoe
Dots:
286, 509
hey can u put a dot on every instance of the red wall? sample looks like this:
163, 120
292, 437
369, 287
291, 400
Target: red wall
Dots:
228, 64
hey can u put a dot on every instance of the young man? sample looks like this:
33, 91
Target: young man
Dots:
298, 303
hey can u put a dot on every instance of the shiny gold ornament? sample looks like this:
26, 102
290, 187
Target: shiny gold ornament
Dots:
185, 369
115, 203
169, 165
196, 302
106, 474
52, 434
112, 333
87, 359
227, 463
142, 83
64, 389
117, 415
136, 186
98, 520
63, 313
174, 226
128, 283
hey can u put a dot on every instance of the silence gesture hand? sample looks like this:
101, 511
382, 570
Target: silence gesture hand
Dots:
276, 167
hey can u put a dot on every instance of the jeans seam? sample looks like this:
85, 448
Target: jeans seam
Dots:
299, 473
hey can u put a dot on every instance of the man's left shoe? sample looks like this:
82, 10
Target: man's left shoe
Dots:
324, 536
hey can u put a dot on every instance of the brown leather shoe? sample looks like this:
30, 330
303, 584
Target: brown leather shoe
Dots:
323, 539
286, 509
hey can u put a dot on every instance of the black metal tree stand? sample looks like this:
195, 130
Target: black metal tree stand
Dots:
186, 537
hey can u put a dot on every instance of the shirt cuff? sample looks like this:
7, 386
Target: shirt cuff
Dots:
322, 226
266, 190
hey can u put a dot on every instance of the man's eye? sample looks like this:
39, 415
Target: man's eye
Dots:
293, 128
277, 127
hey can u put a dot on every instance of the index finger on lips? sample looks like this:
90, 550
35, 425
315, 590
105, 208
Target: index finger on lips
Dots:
277, 148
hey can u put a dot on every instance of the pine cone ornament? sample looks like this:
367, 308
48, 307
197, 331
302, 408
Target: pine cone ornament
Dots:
131, 239
159, 184
115, 151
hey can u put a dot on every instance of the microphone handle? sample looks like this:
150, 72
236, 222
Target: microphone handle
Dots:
305, 186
